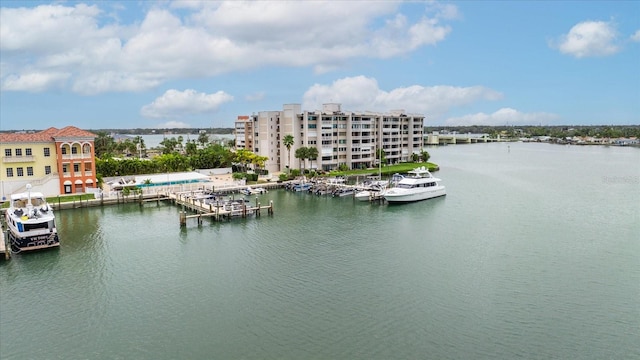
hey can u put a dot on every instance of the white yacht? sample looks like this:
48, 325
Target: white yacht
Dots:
31, 222
418, 185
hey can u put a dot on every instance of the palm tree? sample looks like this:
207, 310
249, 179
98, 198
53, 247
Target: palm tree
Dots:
312, 154
301, 153
425, 156
288, 141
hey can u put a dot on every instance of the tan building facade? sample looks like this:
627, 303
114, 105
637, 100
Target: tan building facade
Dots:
348, 138
53, 161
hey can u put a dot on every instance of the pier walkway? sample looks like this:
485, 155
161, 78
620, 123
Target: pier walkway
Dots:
210, 206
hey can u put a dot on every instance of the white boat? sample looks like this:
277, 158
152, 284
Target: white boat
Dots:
253, 191
418, 185
31, 223
373, 192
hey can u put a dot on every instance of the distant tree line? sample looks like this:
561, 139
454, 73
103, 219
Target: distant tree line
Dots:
557, 131
190, 131
174, 156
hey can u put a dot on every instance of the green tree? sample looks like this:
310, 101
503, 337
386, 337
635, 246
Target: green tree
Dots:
203, 139
312, 154
169, 145
142, 149
243, 157
288, 142
301, 153
104, 144
425, 156
180, 140
191, 148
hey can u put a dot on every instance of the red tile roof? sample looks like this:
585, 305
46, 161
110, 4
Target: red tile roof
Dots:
47, 135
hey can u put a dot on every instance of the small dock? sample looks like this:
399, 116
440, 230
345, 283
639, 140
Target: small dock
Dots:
215, 209
5, 251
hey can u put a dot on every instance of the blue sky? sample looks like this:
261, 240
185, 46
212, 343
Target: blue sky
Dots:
200, 64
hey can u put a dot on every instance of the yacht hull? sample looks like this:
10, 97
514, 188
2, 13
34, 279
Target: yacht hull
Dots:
409, 195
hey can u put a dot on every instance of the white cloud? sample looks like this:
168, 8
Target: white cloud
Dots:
34, 81
589, 38
636, 36
361, 93
173, 125
183, 103
195, 39
504, 116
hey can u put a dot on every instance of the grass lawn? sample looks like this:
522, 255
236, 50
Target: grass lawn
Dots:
389, 170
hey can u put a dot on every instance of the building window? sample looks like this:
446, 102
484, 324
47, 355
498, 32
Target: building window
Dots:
18, 152
63, 150
74, 150
47, 169
65, 168
7, 152
76, 167
29, 170
20, 171
9, 172
47, 152
28, 152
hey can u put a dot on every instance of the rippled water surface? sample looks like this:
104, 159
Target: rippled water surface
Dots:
534, 253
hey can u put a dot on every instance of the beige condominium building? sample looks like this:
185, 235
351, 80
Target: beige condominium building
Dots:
341, 137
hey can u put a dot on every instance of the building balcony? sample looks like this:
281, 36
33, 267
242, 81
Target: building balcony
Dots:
18, 159
76, 156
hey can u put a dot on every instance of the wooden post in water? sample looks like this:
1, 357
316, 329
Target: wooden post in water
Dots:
183, 218
271, 207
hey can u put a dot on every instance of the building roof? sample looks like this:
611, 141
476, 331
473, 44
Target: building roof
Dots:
47, 135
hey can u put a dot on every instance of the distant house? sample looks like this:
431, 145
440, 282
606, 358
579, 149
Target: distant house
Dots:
54, 161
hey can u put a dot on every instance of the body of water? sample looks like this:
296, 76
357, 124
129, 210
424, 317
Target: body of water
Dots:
534, 253
153, 140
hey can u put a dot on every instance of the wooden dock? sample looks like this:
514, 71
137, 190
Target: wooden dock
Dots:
217, 210
5, 251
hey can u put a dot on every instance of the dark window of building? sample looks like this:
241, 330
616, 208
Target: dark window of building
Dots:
47, 169
9, 172
74, 150
76, 167
29, 170
20, 171
18, 152
27, 152
7, 152
64, 150
47, 152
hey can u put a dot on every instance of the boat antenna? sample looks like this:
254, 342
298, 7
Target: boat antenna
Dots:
28, 193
